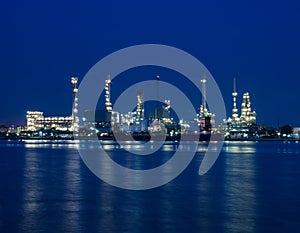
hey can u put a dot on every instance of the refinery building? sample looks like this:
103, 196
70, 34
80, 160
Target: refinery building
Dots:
239, 126
105, 122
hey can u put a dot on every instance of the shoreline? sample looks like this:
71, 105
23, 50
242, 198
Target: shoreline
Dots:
139, 140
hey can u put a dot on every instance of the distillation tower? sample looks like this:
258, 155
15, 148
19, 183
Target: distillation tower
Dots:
239, 126
140, 105
247, 115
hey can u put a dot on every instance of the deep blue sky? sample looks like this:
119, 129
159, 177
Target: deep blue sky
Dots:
44, 43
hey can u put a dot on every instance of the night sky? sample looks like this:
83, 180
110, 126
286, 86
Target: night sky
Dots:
45, 43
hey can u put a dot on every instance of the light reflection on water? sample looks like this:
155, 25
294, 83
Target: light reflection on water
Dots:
253, 187
51, 183
289, 148
32, 190
72, 183
240, 147
39, 143
138, 146
239, 189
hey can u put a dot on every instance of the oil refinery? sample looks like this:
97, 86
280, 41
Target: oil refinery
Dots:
139, 125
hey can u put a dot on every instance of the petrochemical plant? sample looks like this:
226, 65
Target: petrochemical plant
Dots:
239, 127
109, 124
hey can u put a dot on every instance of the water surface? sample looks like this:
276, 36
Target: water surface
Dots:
253, 187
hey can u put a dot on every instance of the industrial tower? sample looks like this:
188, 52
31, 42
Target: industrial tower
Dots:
235, 116
75, 118
157, 96
247, 115
108, 104
203, 109
140, 105
239, 126
206, 118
